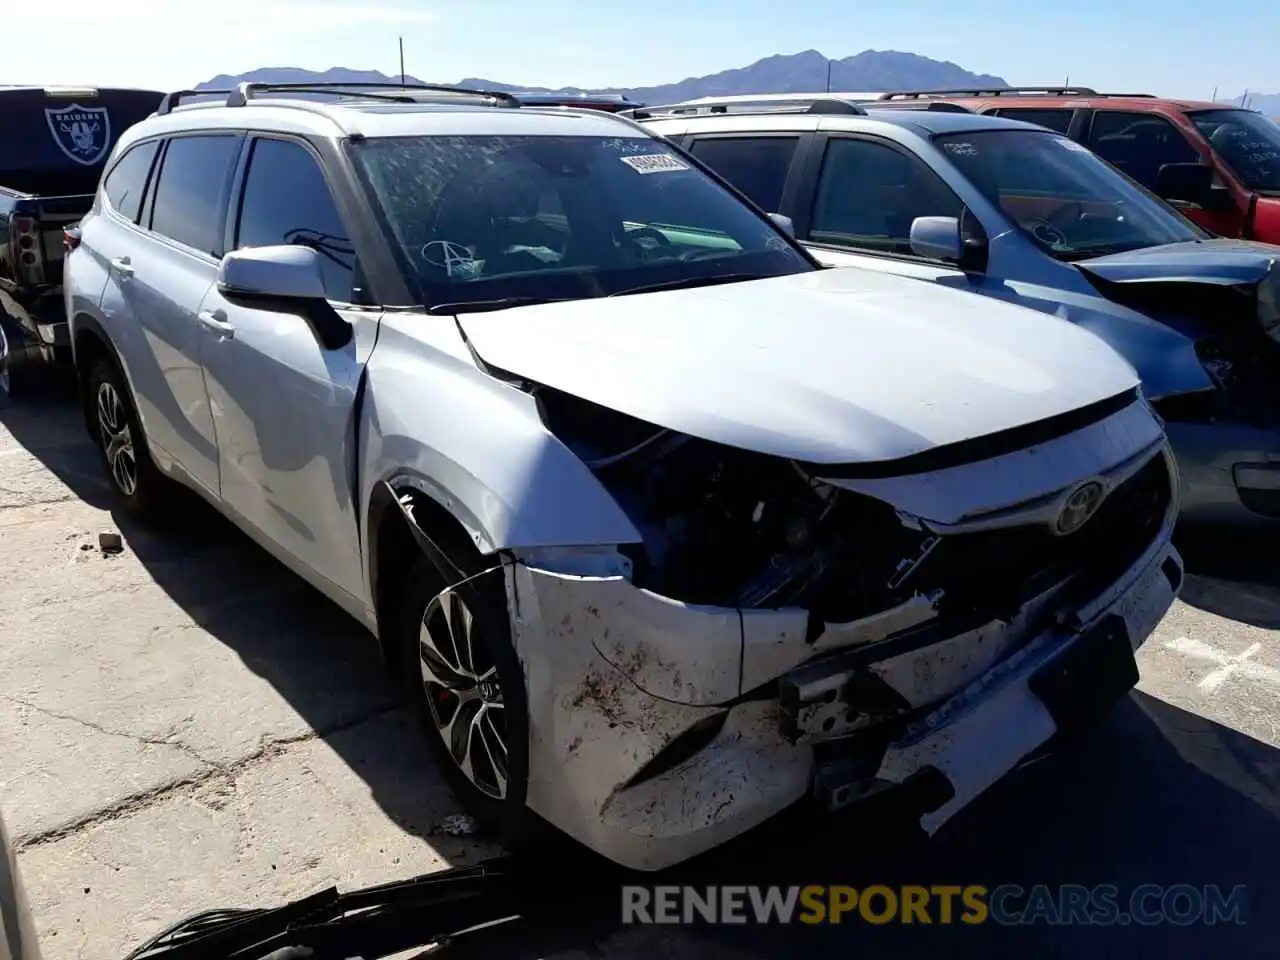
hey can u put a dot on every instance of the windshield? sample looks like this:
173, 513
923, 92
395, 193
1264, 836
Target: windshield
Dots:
1069, 201
1248, 143
486, 221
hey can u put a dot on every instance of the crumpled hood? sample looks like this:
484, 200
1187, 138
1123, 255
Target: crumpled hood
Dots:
1219, 261
834, 366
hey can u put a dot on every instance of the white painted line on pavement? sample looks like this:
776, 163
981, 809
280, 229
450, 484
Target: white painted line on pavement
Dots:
1228, 665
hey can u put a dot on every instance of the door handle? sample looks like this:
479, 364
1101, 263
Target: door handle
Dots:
216, 320
123, 266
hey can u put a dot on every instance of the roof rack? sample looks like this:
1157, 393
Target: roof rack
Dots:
392, 92
782, 103
993, 92
172, 100
932, 106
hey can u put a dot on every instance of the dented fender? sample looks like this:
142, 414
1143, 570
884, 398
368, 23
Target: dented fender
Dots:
497, 471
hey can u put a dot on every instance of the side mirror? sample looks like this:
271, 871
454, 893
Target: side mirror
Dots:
936, 238
288, 279
1189, 183
272, 273
784, 222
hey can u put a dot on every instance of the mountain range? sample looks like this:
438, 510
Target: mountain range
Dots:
785, 73
871, 70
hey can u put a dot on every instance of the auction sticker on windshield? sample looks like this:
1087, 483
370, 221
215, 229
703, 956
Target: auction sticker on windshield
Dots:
654, 163
1071, 145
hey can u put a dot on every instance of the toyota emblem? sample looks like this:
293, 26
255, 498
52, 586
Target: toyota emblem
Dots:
1081, 504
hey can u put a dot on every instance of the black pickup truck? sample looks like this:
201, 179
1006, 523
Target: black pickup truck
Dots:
54, 142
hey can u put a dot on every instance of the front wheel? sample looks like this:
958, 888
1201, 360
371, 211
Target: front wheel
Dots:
466, 685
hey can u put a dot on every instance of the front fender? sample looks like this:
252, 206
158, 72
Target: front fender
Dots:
435, 422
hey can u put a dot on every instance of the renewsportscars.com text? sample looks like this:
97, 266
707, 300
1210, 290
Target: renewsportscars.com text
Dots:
1007, 905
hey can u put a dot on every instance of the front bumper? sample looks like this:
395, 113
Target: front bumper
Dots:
1230, 473
657, 732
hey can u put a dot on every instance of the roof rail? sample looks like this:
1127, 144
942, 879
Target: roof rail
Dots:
1128, 96
993, 92
396, 92
172, 100
932, 106
817, 103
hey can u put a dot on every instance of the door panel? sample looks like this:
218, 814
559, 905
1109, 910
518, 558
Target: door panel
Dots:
158, 278
283, 409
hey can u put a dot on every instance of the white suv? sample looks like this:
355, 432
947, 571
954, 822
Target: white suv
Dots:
664, 526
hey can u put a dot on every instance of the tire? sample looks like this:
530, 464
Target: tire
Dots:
135, 480
13, 380
468, 722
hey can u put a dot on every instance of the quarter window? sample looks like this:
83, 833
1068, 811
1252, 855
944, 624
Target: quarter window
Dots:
189, 195
1139, 143
757, 166
869, 194
287, 201
1059, 120
127, 180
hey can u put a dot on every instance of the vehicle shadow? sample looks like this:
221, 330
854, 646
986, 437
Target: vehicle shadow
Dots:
321, 662
1157, 796
1234, 575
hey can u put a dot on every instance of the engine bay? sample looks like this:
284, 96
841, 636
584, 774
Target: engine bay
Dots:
728, 527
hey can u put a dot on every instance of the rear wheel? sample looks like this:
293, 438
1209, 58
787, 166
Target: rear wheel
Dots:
138, 484
467, 687
12, 378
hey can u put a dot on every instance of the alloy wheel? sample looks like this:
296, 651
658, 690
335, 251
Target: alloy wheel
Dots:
117, 439
6, 384
463, 693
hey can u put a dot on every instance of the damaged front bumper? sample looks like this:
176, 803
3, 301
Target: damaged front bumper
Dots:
659, 730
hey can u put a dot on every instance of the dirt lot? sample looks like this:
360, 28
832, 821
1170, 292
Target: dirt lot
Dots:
186, 725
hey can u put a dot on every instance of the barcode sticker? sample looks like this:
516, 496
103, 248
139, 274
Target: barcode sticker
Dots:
654, 163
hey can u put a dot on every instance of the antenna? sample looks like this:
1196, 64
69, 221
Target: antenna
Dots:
828, 75
1244, 101
401, 39
1067, 82
1214, 98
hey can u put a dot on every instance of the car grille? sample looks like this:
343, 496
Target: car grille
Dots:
997, 571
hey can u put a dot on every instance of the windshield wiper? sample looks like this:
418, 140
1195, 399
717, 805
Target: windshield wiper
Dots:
374, 922
686, 282
484, 306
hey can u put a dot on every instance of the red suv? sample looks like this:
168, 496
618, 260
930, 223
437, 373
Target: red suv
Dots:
1219, 164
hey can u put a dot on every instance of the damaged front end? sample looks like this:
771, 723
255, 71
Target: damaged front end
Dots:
1227, 437
788, 627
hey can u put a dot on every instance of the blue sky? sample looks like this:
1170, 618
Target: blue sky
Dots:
1181, 49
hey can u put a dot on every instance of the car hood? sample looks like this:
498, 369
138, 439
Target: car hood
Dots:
1229, 262
833, 366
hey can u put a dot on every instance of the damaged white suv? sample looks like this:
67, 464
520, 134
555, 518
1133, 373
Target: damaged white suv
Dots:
664, 526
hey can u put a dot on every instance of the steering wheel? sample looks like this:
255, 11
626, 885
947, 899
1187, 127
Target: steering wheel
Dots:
1047, 232
651, 233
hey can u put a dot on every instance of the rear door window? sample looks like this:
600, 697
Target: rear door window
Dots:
1059, 120
127, 181
757, 166
1139, 143
191, 190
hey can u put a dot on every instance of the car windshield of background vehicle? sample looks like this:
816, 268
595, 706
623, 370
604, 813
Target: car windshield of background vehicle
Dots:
489, 221
1070, 202
1248, 143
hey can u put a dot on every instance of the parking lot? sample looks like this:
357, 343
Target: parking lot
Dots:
186, 725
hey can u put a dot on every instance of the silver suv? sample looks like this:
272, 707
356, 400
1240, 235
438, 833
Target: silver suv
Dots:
663, 526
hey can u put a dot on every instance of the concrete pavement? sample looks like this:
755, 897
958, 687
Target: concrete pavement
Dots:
186, 725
